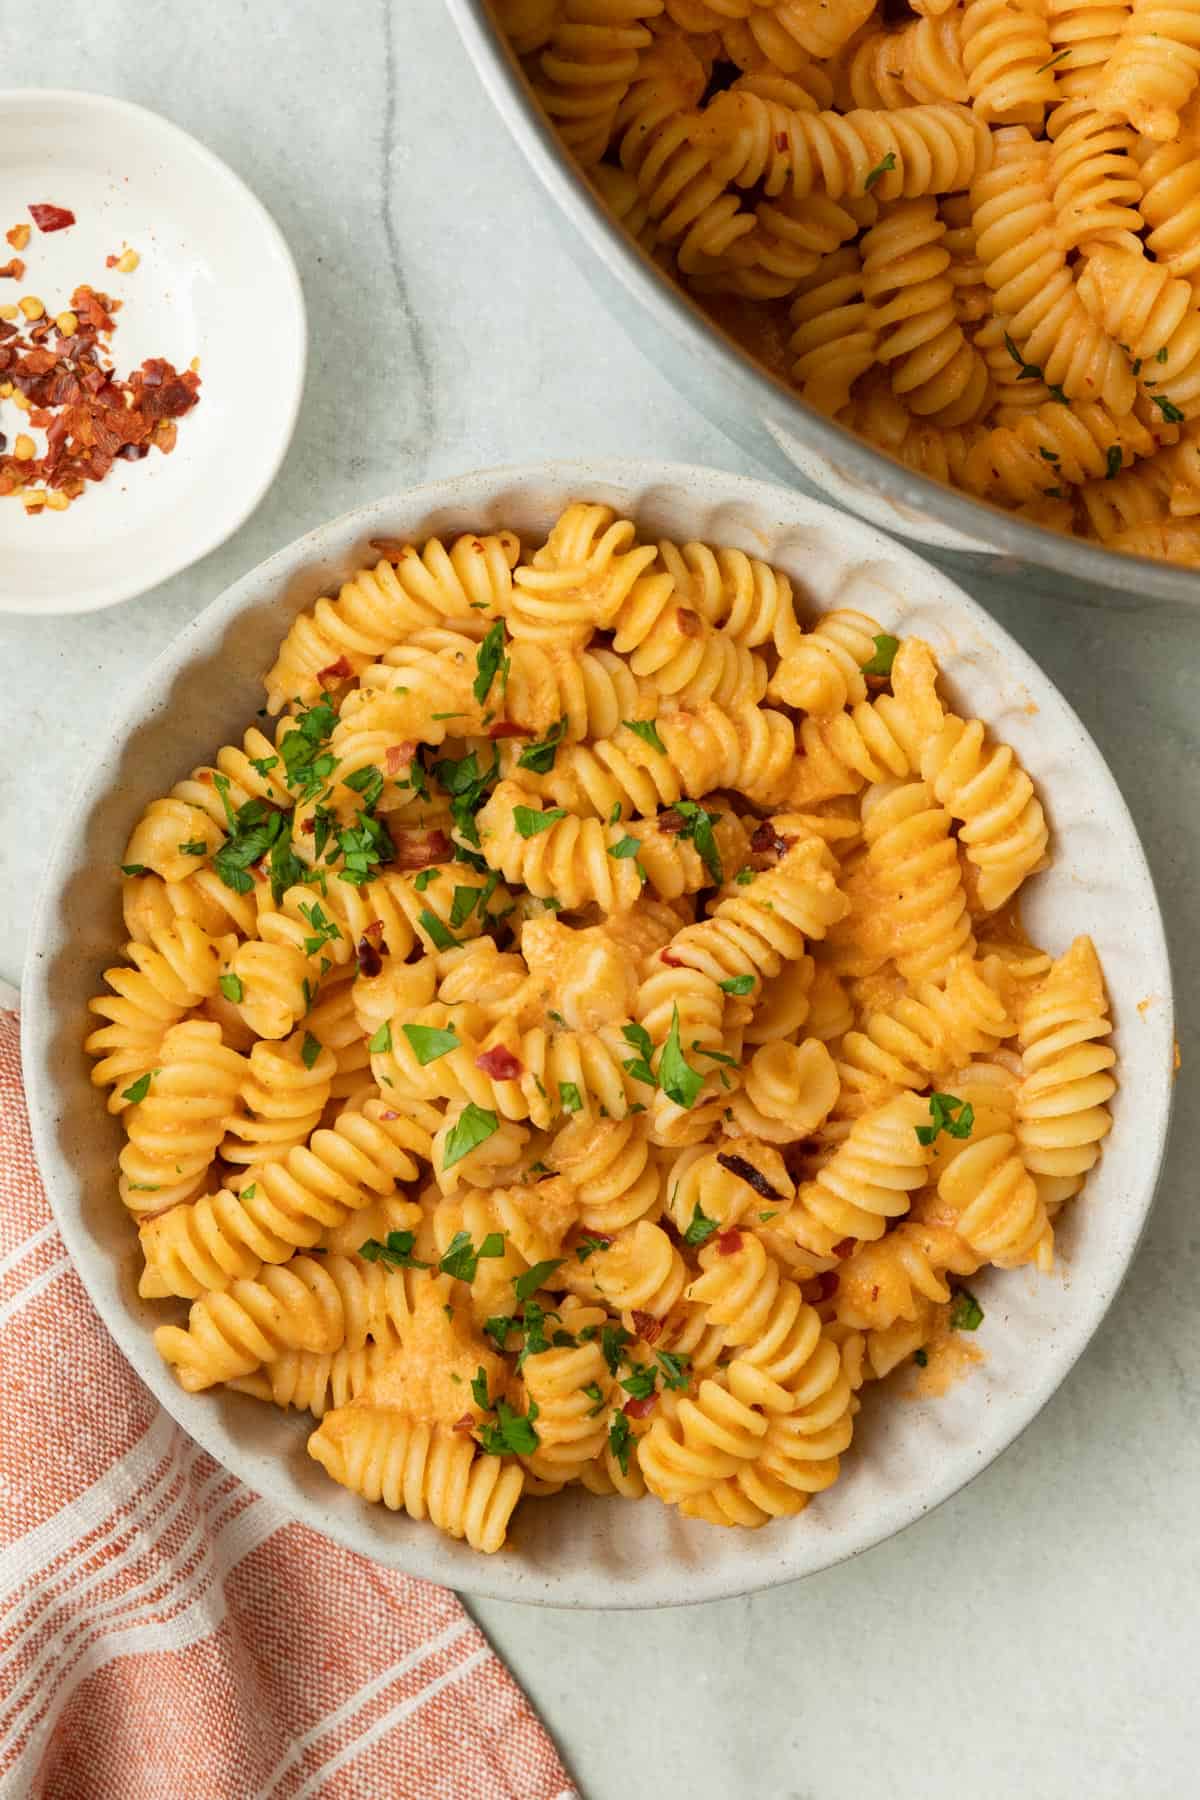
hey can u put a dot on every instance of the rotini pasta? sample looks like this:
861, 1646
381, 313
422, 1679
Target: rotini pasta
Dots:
958, 234
598, 1087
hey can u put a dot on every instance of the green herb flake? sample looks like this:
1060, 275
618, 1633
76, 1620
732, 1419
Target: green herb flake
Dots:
473, 1127
645, 729
369, 783
921, 1358
676, 1076
639, 1067
513, 1434
966, 1314
745, 876
1113, 458
641, 1383
479, 1389
737, 984
526, 1285
588, 1246
1050, 456
396, 1251
310, 1049
943, 1109
595, 1393
1053, 61
1161, 355
628, 846
133, 868
139, 1090
569, 1097
381, 1043
620, 1438
1169, 410
613, 1339
886, 647
461, 1259
701, 1227
463, 904
539, 757
428, 1042
673, 1368
879, 171
498, 1329
438, 934
489, 661
698, 826
193, 847
423, 880
530, 823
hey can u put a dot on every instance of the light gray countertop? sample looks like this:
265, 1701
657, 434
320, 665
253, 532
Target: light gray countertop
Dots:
1039, 1636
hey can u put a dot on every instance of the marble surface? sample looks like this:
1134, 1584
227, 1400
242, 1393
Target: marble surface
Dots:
1038, 1635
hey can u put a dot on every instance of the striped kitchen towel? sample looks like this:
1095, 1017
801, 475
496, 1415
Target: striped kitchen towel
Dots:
166, 1632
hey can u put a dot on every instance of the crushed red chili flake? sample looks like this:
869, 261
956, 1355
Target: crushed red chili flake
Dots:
671, 822
647, 1327
500, 1064
508, 728
398, 756
640, 1409
828, 1283
13, 269
370, 954
843, 1247
336, 671
467, 1422
421, 849
669, 957
391, 549
51, 218
388, 1116
729, 1242
766, 841
689, 623
92, 416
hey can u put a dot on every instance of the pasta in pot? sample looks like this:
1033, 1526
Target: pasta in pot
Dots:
598, 1085
970, 235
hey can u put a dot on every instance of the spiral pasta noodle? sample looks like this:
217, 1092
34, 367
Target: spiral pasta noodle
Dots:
597, 1087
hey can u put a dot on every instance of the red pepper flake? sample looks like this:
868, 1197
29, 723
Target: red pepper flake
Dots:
671, 822
729, 1242
92, 417
388, 1116
398, 756
875, 1291
336, 671
647, 1327
843, 1247
421, 849
13, 269
640, 1409
689, 623
371, 949
669, 957
392, 550
308, 825
466, 1423
500, 1064
828, 1283
781, 140
51, 218
766, 841
508, 728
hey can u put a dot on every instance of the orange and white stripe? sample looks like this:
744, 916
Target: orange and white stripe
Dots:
163, 1630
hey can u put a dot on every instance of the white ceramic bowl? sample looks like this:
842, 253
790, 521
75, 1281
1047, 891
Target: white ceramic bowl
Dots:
577, 1550
216, 280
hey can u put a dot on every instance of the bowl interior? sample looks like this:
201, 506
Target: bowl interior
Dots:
212, 262
908, 1455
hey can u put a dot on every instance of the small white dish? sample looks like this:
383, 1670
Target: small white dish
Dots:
908, 1456
216, 281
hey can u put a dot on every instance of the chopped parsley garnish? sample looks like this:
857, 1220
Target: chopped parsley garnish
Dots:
193, 847
698, 825
429, 1042
737, 984
479, 1389
745, 876
533, 1323
628, 846
310, 1049
498, 1328
588, 1246
613, 1339
886, 647
513, 1434
463, 904
1056, 393
1161, 355
639, 1066
943, 1109
594, 1393
966, 1314
231, 987
766, 1217
556, 1017
1113, 458
1028, 371
363, 847
1047, 455
221, 783
133, 868
381, 1043
645, 729
676, 1076
438, 934
264, 764
673, 1367
530, 823
139, 1090
526, 1285
879, 171
423, 880
255, 829
701, 1227
473, 1127
1170, 411
539, 757
490, 660
307, 763
615, 814
717, 1056
641, 1383
467, 785
1053, 60
461, 1259
921, 1358
369, 783
569, 1097
620, 1437
396, 1251
324, 929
